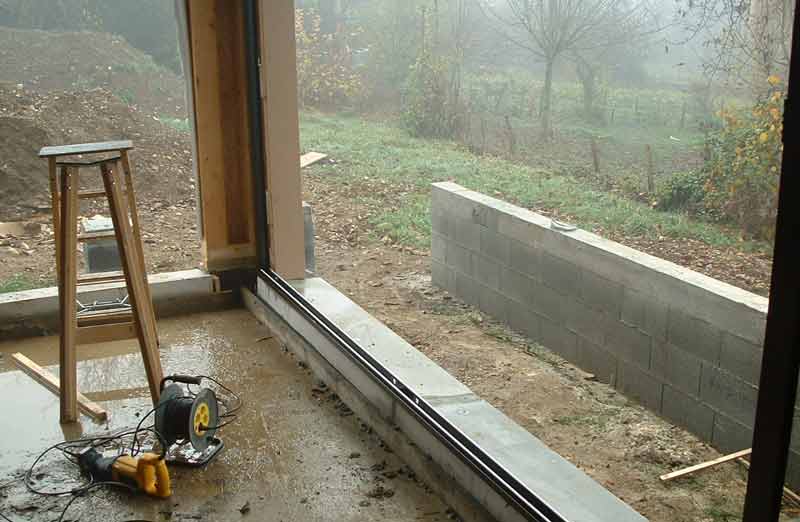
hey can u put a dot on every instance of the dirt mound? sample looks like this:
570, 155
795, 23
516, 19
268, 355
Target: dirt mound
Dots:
29, 121
66, 61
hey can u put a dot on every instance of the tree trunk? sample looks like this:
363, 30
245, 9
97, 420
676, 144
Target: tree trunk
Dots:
547, 95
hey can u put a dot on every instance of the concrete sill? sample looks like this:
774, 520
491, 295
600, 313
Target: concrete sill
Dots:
35, 312
571, 492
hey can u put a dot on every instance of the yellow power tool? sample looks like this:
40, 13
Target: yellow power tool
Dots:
146, 472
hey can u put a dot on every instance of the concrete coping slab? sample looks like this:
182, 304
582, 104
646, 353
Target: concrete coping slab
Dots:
563, 486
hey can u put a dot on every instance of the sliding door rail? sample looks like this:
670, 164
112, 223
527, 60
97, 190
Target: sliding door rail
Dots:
525, 501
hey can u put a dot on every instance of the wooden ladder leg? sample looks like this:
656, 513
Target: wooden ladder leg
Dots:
67, 293
137, 231
135, 280
55, 198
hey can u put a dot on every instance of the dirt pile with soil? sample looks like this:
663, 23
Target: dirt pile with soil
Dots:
46, 61
30, 120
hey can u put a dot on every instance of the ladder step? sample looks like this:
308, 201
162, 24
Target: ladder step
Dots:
103, 333
92, 194
101, 277
105, 317
89, 236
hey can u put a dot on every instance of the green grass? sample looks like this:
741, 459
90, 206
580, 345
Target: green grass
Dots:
17, 283
380, 152
180, 124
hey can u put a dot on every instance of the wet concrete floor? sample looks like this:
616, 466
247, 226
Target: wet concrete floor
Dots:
294, 453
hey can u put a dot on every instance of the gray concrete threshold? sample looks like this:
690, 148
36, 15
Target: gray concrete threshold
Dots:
35, 312
564, 487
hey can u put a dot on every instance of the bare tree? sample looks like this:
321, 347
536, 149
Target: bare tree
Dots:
551, 30
749, 40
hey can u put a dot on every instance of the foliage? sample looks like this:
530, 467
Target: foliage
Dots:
744, 170
684, 191
388, 154
427, 110
16, 283
325, 73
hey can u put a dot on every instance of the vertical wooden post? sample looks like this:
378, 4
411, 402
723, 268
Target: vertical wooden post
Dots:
221, 126
651, 184
282, 138
56, 209
135, 279
595, 156
67, 281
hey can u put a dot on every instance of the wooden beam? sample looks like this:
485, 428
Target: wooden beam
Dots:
281, 138
704, 465
51, 382
67, 293
219, 80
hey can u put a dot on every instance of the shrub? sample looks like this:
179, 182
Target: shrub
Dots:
684, 191
325, 73
744, 169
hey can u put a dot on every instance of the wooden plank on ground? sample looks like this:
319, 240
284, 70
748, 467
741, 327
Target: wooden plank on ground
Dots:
705, 465
309, 158
50, 381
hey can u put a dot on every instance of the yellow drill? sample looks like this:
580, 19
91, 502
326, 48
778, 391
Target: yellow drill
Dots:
147, 472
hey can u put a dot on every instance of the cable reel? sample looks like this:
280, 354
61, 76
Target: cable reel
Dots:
188, 421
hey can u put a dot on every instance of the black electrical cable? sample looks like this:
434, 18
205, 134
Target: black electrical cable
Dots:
91, 487
9, 520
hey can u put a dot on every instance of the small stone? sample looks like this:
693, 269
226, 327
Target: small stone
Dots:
364, 503
354, 455
245, 509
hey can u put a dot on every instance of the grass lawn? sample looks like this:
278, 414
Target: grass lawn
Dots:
369, 152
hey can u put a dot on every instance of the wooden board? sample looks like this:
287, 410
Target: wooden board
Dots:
103, 333
704, 465
67, 294
51, 382
309, 158
219, 80
282, 138
136, 280
85, 148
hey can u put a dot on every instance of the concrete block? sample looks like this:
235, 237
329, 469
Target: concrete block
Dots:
676, 367
645, 312
486, 271
493, 303
741, 357
728, 394
560, 275
601, 293
730, 435
596, 360
587, 322
495, 246
558, 339
639, 385
546, 302
516, 286
688, 412
485, 216
467, 289
524, 259
694, 335
628, 343
523, 320
438, 247
440, 222
466, 234
443, 276
459, 258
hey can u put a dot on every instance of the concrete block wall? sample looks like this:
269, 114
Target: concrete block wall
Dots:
682, 344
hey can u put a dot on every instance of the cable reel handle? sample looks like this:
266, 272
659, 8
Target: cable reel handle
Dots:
184, 379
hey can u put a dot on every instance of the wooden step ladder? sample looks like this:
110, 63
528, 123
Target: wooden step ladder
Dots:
106, 321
